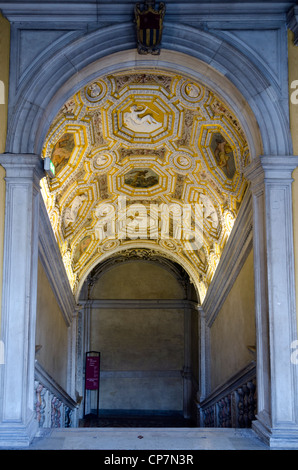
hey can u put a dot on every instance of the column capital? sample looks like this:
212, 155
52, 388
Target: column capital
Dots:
77, 310
201, 311
22, 165
273, 167
279, 167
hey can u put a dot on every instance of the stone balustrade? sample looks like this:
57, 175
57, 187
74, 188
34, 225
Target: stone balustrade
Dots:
54, 408
233, 405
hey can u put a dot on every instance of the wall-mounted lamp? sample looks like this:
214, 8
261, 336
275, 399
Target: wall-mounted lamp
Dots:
49, 167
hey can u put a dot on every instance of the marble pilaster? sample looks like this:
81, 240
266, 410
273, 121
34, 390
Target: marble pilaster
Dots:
271, 180
17, 422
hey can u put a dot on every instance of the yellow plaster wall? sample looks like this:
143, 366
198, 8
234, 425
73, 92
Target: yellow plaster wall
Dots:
51, 332
234, 328
293, 75
4, 78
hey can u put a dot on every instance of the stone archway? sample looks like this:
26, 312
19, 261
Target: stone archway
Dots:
194, 158
141, 312
192, 53
34, 109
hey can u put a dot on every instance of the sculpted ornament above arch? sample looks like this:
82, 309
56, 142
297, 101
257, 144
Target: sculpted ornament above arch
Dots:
147, 157
144, 255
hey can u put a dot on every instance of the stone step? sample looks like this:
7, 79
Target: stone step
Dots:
147, 438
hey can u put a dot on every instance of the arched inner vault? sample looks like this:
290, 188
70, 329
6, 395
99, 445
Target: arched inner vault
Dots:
144, 159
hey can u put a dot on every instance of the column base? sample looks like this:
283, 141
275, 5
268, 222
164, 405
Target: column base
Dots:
282, 437
17, 435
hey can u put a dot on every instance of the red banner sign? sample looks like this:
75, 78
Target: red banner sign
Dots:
92, 372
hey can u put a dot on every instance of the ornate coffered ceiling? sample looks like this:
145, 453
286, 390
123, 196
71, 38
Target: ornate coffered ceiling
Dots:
144, 141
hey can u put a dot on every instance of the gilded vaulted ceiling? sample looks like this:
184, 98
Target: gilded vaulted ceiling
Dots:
144, 142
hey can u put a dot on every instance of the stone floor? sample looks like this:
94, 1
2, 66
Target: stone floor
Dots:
153, 439
132, 420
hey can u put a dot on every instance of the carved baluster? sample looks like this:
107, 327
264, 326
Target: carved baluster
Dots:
240, 395
230, 412
67, 417
212, 416
56, 413
251, 401
244, 407
234, 410
227, 412
209, 417
42, 407
220, 413
53, 411
225, 407
224, 414
40, 403
38, 388
48, 409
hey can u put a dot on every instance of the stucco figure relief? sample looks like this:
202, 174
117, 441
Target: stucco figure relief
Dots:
94, 90
192, 90
71, 212
102, 160
183, 161
209, 211
140, 119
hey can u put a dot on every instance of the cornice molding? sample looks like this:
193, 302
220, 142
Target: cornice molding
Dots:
292, 22
91, 12
141, 304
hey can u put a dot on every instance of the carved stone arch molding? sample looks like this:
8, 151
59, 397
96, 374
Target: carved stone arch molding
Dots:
219, 65
140, 255
180, 268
